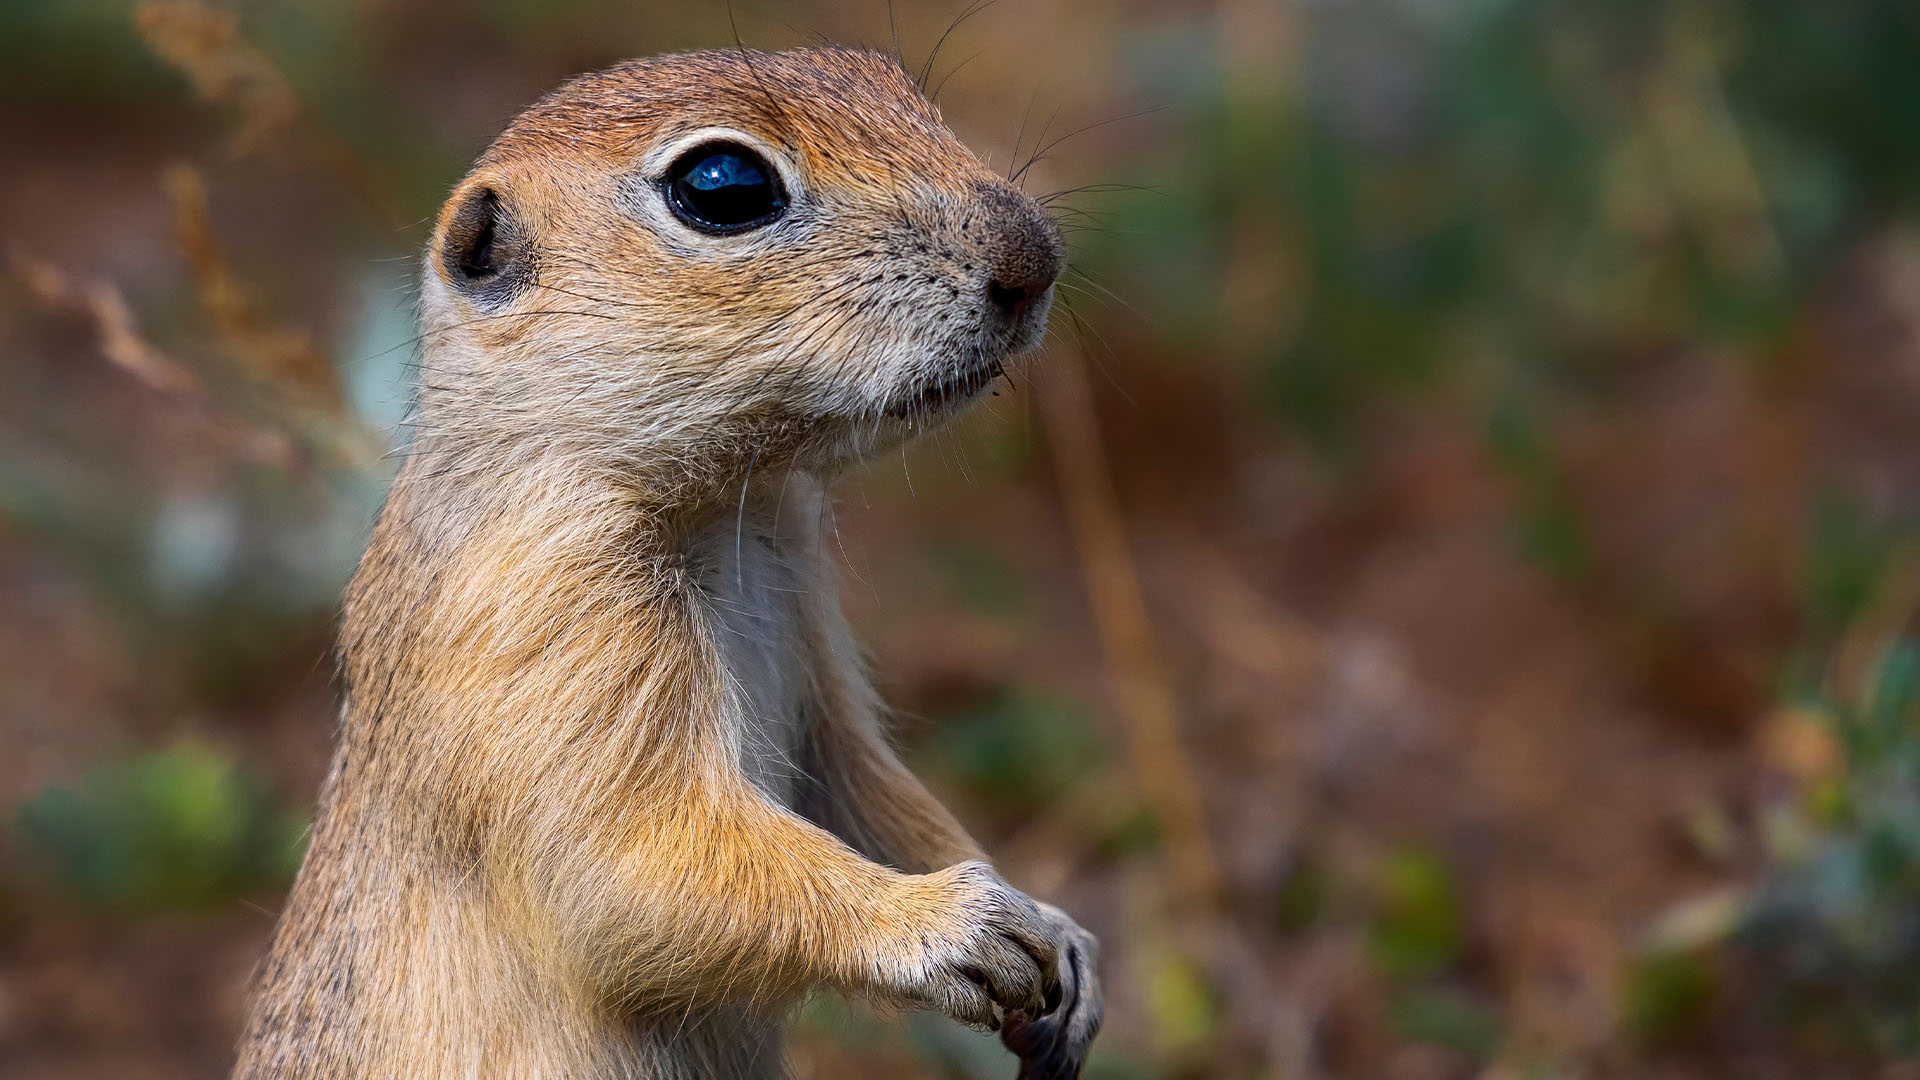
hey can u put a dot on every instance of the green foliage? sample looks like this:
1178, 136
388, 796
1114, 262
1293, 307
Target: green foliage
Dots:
1846, 553
1664, 996
1416, 937
1513, 193
1837, 921
1018, 751
1447, 1019
1182, 1003
1552, 534
1841, 79
1419, 925
180, 828
1302, 898
54, 51
982, 580
1134, 833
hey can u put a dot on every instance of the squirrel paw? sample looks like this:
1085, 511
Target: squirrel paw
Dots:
1054, 1046
1001, 958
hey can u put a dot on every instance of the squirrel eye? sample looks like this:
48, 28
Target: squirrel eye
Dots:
724, 188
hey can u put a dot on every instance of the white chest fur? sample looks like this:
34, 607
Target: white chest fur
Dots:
755, 598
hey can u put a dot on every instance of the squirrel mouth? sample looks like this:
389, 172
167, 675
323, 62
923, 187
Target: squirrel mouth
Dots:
959, 388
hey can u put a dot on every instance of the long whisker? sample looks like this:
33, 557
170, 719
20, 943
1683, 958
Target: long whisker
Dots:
740, 523
1081, 325
926, 70
1049, 147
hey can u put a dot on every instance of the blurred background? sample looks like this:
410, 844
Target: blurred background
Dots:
1443, 607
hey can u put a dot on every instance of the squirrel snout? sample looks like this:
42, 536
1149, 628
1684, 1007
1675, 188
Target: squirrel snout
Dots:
1014, 298
1025, 255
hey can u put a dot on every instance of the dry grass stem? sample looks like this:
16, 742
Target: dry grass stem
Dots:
1141, 688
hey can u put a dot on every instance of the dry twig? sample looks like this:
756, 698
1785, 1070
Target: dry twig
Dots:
280, 357
117, 334
1145, 696
116, 330
205, 45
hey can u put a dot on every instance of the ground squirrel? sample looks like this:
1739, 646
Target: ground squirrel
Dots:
611, 788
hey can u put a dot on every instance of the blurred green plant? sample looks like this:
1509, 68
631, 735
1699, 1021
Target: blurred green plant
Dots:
1502, 207
1664, 996
1183, 1004
1552, 533
1415, 940
1847, 554
1018, 751
1837, 918
1303, 896
181, 828
981, 580
1419, 928
1447, 1018
1510, 209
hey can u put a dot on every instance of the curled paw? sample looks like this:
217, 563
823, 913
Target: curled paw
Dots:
997, 956
1053, 1045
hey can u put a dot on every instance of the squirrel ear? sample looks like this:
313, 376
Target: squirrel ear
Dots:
483, 249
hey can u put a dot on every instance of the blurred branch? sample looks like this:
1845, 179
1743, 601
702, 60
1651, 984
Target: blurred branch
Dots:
117, 335
282, 358
206, 46
1140, 682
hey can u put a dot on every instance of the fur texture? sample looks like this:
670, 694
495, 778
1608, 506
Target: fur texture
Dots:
611, 788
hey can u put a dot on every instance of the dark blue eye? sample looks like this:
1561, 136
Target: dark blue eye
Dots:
724, 188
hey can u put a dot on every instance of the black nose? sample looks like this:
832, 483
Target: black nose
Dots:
1024, 254
1015, 298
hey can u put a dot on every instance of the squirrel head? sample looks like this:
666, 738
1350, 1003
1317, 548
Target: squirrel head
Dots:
721, 256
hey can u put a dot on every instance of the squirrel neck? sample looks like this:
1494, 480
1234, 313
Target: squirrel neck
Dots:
501, 550
454, 492
562, 583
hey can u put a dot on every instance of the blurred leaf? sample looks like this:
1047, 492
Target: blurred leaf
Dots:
1183, 1005
1896, 690
1835, 926
982, 580
1665, 996
1018, 751
1698, 922
1448, 1019
1552, 534
1418, 927
1135, 833
181, 828
1301, 899
1845, 554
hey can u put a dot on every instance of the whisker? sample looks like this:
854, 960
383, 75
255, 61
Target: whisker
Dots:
926, 70
1048, 148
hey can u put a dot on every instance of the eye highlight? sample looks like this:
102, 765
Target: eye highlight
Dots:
724, 188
